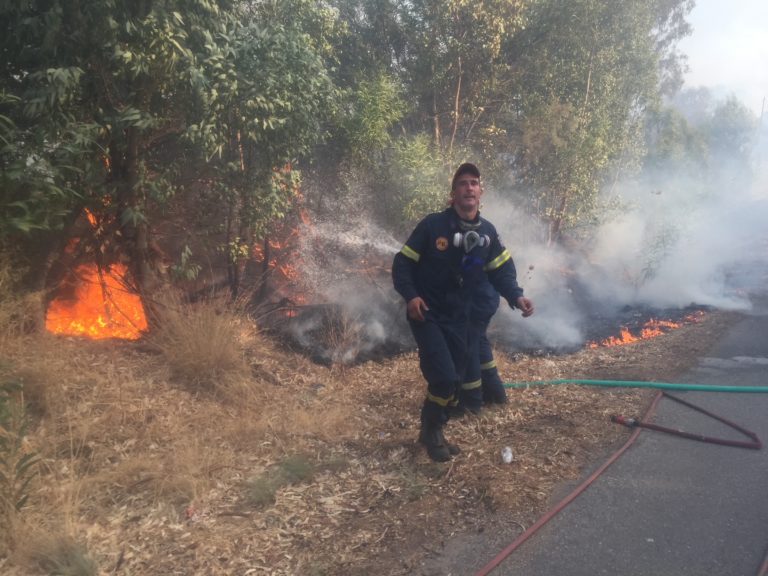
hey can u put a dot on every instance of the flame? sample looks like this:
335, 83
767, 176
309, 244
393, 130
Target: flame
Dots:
101, 307
651, 329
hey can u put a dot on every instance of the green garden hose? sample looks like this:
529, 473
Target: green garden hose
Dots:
635, 384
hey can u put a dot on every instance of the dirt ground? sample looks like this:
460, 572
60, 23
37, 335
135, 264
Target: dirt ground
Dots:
313, 470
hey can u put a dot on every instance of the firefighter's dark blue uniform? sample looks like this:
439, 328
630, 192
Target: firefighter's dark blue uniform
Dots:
482, 372
443, 261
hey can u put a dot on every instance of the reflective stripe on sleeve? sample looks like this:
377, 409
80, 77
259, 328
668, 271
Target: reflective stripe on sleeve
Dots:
488, 365
498, 261
409, 252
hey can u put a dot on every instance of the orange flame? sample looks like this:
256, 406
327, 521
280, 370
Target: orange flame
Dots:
101, 308
651, 329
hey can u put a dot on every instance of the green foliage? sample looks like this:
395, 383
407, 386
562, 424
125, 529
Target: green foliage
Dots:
261, 108
673, 143
377, 106
261, 490
65, 557
699, 143
456, 66
731, 129
106, 87
128, 108
662, 241
185, 269
122, 98
18, 465
36, 190
589, 72
419, 177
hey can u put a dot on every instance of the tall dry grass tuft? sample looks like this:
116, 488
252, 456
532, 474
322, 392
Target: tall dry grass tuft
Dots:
18, 463
54, 553
203, 343
20, 312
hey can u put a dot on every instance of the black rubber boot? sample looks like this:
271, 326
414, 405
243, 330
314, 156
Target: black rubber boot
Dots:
461, 410
434, 441
452, 448
493, 388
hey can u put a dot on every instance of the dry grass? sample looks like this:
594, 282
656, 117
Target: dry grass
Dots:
55, 553
288, 467
202, 343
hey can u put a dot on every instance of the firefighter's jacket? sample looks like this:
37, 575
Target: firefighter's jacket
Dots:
438, 264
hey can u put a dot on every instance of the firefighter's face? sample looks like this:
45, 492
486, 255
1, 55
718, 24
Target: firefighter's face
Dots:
466, 193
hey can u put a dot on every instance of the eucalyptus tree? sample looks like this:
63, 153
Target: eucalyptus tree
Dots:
105, 88
444, 64
731, 133
267, 92
121, 107
455, 66
674, 145
589, 70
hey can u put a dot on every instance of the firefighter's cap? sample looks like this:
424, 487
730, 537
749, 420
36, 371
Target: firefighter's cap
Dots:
466, 168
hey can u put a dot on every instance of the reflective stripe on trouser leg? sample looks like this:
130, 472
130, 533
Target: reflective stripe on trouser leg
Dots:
442, 359
492, 386
471, 393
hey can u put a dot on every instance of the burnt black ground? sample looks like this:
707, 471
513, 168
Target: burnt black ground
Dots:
672, 506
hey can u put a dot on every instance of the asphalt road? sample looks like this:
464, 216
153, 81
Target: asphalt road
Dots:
669, 505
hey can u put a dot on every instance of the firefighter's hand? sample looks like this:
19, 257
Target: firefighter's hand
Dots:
416, 308
526, 305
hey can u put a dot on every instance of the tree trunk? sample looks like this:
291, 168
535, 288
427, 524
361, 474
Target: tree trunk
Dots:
136, 232
456, 102
556, 222
436, 117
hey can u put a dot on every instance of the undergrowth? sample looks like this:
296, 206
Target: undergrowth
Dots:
203, 343
18, 465
63, 556
261, 491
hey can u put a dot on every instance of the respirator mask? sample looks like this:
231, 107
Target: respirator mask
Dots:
470, 240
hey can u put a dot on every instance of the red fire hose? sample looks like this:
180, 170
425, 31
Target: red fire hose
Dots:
754, 444
636, 425
552, 512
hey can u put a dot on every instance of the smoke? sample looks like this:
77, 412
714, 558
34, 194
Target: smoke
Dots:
346, 267
688, 243
692, 243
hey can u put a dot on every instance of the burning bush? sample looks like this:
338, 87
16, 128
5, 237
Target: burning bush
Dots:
99, 304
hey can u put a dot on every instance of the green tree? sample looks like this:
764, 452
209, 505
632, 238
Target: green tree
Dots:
588, 71
731, 129
106, 87
131, 106
455, 66
267, 93
730, 135
673, 144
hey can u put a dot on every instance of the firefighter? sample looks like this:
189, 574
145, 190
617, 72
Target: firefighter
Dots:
482, 383
483, 308
436, 272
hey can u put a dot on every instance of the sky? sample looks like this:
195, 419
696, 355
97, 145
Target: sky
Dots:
728, 49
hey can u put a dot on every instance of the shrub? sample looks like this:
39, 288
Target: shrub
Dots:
202, 342
18, 466
62, 556
260, 491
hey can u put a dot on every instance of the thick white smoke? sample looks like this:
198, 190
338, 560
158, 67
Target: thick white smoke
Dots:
684, 244
665, 248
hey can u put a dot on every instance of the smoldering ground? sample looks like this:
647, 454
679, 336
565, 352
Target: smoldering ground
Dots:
659, 252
